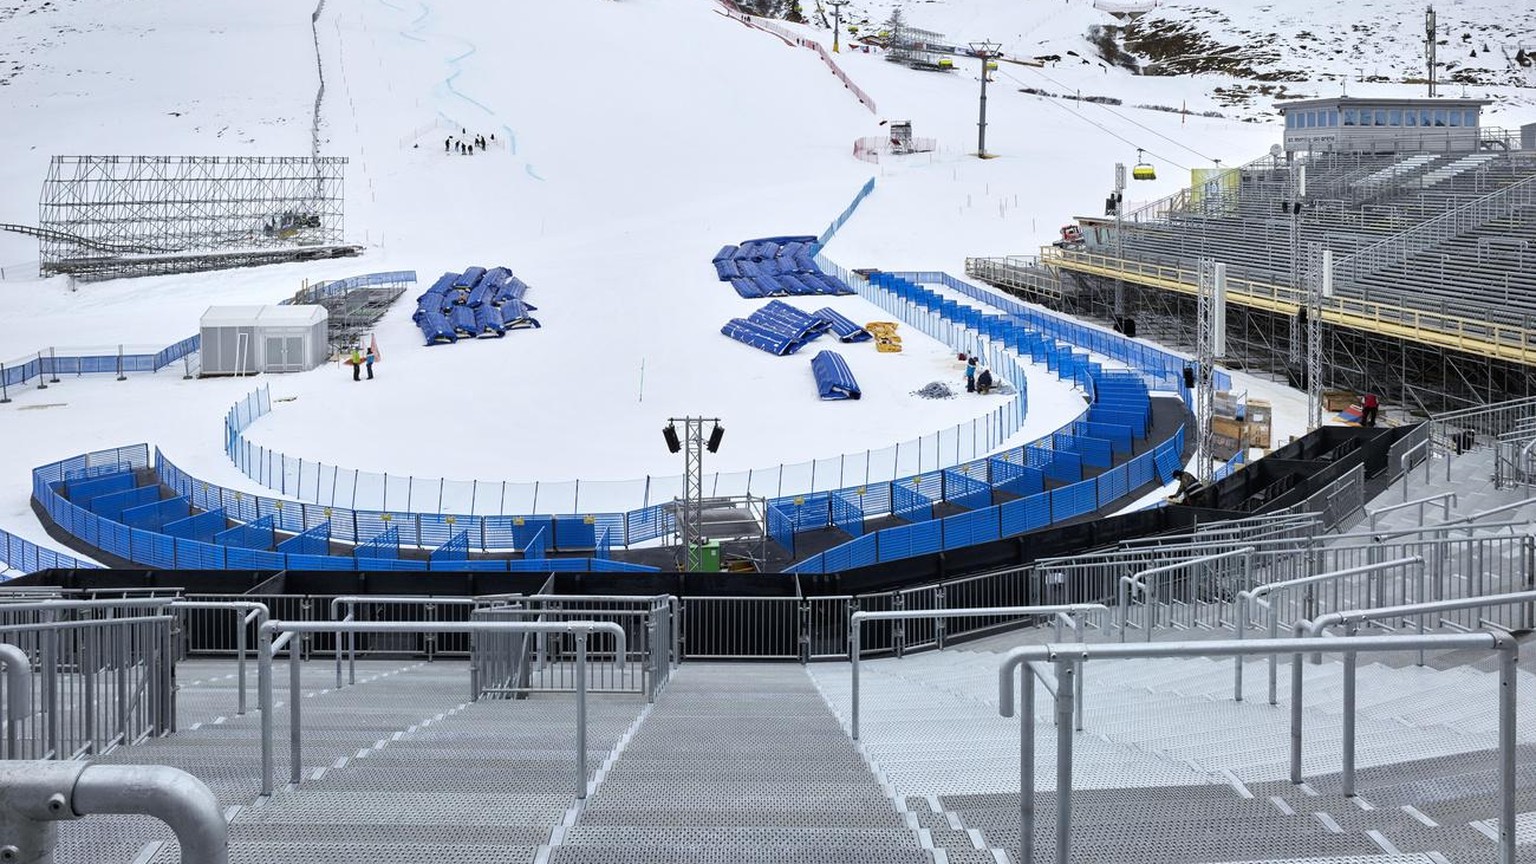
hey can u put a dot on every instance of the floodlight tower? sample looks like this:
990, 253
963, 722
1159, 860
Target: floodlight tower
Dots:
690, 521
985, 51
837, 17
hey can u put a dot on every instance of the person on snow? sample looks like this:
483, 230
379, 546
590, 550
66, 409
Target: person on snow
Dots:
984, 381
368, 361
970, 375
356, 362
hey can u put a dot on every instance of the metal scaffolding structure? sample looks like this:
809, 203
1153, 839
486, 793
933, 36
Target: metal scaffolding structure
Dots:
105, 216
1207, 349
1319, 286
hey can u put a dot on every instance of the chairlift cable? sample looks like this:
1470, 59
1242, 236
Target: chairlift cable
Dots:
1113, 134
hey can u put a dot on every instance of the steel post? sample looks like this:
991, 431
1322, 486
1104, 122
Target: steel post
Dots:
1064, 699
1027, 764
1296, 696
295, 729
264, 700
18, 693
1509, 657
1350, 659
581, 715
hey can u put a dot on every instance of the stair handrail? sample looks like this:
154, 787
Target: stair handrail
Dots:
581, 630
1447, 501
1259, 595
18, 693
38, 795
246, 612
1141, 583
1356, 266
856, 630
1069, 658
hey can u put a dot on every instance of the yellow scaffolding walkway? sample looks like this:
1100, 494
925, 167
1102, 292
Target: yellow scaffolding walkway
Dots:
1468, 335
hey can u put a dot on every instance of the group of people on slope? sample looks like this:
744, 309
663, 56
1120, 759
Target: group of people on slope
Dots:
465, 147
978, 378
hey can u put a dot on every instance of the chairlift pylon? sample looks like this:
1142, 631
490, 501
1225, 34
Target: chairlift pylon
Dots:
1143, 169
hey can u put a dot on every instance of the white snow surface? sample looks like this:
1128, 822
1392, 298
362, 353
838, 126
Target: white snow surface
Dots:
634, 139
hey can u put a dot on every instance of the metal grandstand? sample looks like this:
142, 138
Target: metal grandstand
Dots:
107, 216
1434, 301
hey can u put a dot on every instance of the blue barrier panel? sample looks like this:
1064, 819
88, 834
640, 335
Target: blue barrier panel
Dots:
1017, 479
484, 565
320, 562
111, 537
598, 565
1139, 471
82, 491
112, 505
575, 532
315, 541
814, 564
93, 471
384, 546
547, 565
515, 532
538, 544
806, 512
200, 527
252, 535
649, 523
962, 490
1113, 485
1072, 501
155, 550
968, 529
1095, 451
1024, 514
389, 564
1036, 456
435, 529
604, 546
781, 527
152, 517
198, 554
1065, 467
908, 541
1168, 461
909, 504
847, 556
847, 514
1137, 422
1121, 438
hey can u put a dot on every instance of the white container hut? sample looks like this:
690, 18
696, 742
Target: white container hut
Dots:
244, 340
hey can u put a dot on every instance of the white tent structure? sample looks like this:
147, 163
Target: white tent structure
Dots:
244, 340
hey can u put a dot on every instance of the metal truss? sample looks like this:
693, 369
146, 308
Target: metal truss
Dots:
109, 215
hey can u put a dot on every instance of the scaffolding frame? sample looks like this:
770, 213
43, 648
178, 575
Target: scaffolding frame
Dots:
109, 216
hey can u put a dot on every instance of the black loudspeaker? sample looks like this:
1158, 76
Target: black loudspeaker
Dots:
669, 432
1189, 378
1128, 327
714, 438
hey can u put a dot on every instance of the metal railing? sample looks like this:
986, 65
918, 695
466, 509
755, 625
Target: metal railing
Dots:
104, 674
1525, 600
1297, 600
39, 795
246, 613
1068, 660
269, 646
1447, 501
1194, 590
1072, 616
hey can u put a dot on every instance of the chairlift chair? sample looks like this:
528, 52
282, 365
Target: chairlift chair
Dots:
1143, 169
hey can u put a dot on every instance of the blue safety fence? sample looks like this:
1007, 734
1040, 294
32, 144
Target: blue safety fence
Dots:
847, 513
1225, 470
153, 517
1064, 467
201, 527
1016, 479
50, 363
24, 556
456, 549
910, 504
83, 490
604, 550
315, 541
384, 546
843, 217
1122, 439
963, 490
252, 535
112, 505
1095, 452
781, 527
538, 544
1009, 519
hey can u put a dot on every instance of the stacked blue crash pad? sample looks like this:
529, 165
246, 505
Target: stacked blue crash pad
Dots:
777, 328
834, 380
776, 267
475, 303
